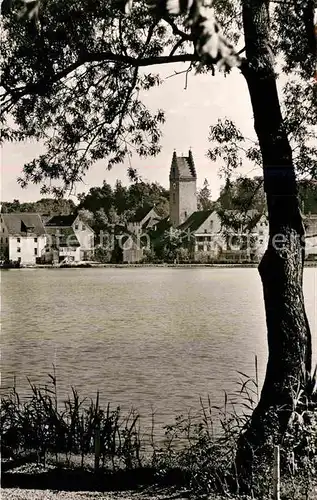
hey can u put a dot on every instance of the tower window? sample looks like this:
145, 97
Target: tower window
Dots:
185, 214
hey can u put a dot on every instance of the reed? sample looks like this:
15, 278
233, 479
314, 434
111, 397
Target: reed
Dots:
68, 433
198, 449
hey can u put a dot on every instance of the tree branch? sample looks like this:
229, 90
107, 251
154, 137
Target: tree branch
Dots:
42, 86
176, 30
176, 47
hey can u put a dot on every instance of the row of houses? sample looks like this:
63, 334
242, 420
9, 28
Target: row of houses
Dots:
202, 234
209, 238
29, 238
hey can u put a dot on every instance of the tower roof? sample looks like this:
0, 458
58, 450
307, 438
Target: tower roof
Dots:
183, 167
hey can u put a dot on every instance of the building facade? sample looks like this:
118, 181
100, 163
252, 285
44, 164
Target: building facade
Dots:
23, 237
183, 188
70, 237
310, 222
135, 240
144, 218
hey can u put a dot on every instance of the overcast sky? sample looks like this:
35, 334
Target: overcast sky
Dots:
189, 113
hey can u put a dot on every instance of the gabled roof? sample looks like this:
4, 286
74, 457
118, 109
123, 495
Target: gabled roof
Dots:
195, 220
62, 237
23, 223
183, 167
236, 218
61, 220
158, 229
147, 222
140, 213
45, 218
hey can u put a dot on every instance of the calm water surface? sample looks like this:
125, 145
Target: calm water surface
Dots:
157, 337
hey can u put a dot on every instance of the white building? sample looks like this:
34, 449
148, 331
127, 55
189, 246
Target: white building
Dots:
136, 239
213, 240
145, 218
69, 239
310, 222
23, 237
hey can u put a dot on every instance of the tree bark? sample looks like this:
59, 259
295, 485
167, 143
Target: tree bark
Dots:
281, 269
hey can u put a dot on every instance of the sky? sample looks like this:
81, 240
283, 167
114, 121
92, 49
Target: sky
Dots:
189, 114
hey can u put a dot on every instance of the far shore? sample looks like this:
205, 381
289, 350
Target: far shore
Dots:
91, 265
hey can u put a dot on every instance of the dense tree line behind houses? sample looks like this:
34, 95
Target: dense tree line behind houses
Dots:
106, 207
105, 204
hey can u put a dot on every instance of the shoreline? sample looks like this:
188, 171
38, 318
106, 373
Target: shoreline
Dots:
136, 265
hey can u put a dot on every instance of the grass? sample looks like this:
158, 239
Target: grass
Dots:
75, 433
79, 444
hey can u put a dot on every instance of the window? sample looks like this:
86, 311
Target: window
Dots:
76, 226
185, 214
200, 248
208, 247
208, 238
83, 227
6, 240
35, 240
3, 229
18, 240
211, 224
19, 250
35, 251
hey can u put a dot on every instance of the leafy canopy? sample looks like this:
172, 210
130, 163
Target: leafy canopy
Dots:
73, 74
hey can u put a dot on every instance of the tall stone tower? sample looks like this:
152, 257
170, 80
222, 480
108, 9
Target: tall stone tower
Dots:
183, 199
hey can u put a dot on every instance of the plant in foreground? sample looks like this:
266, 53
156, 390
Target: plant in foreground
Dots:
198, 451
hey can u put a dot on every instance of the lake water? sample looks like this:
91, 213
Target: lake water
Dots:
149, 338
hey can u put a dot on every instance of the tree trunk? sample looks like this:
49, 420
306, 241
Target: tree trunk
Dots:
281, 269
